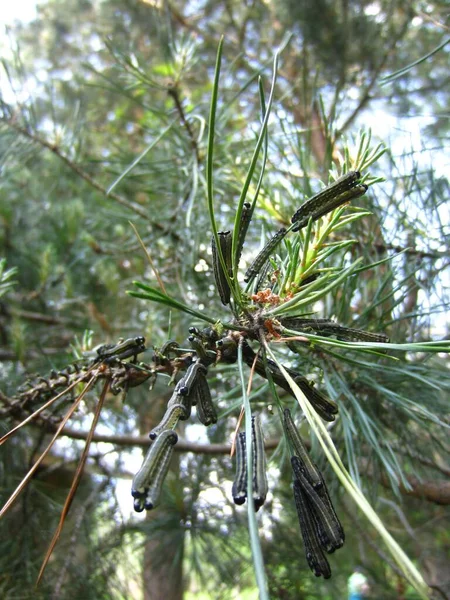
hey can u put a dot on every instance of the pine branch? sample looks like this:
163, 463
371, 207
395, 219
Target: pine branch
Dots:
381, 248
175, 95
81, 173
435, 491
366, 97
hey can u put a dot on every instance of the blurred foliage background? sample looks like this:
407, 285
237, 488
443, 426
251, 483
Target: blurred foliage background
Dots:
96, 93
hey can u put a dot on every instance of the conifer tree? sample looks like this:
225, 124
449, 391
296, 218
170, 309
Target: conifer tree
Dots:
124, 149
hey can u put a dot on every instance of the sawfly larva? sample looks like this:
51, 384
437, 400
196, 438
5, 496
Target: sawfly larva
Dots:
173, 414
223, 286
110, 352
246, 217
314, 554
153, 469
239, 490
329, 529
310, 469
328, 327
343, 190
264, 255
206, 411
259, 464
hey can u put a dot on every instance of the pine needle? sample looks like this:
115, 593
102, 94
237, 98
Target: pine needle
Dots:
61, 426
75, 482
149, 258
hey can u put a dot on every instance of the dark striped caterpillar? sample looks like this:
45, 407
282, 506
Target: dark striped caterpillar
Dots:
185, 400
183, 390
246, 217
343, 190
264, 255
203, 343
110, 352
261, 277
223, 287
206, 410
260, 486
147, 483
227, 349
329, 529
173, 414
259, 479
299, 449
186, 384
314, 554
239, 490
324, 407
328, 327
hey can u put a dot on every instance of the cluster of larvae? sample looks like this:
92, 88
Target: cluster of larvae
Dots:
341, 191
106, 361
191, 390
319, 524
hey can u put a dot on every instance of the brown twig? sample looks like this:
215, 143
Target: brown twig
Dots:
174, 93
437, 492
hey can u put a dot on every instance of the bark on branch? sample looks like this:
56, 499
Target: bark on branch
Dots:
435, 491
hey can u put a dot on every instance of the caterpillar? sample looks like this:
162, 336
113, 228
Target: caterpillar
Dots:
304, 468
147, 482
259, 464
198, 346
324, 407
261, 277
186, 384
329, 327
310, 470
340, 534
330, 531
173, 414
111, 352
259, 480
314, 554
206, 410
239, 489
153, 494
342, 184
264, 255
246, 217
222, 284
227, 349
343, 190
208, 335
185, 401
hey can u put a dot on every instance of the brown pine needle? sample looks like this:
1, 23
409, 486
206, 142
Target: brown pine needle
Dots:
75, 482
43, 407
241, 414
238, 425
294, 338
149, 258
28, 476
